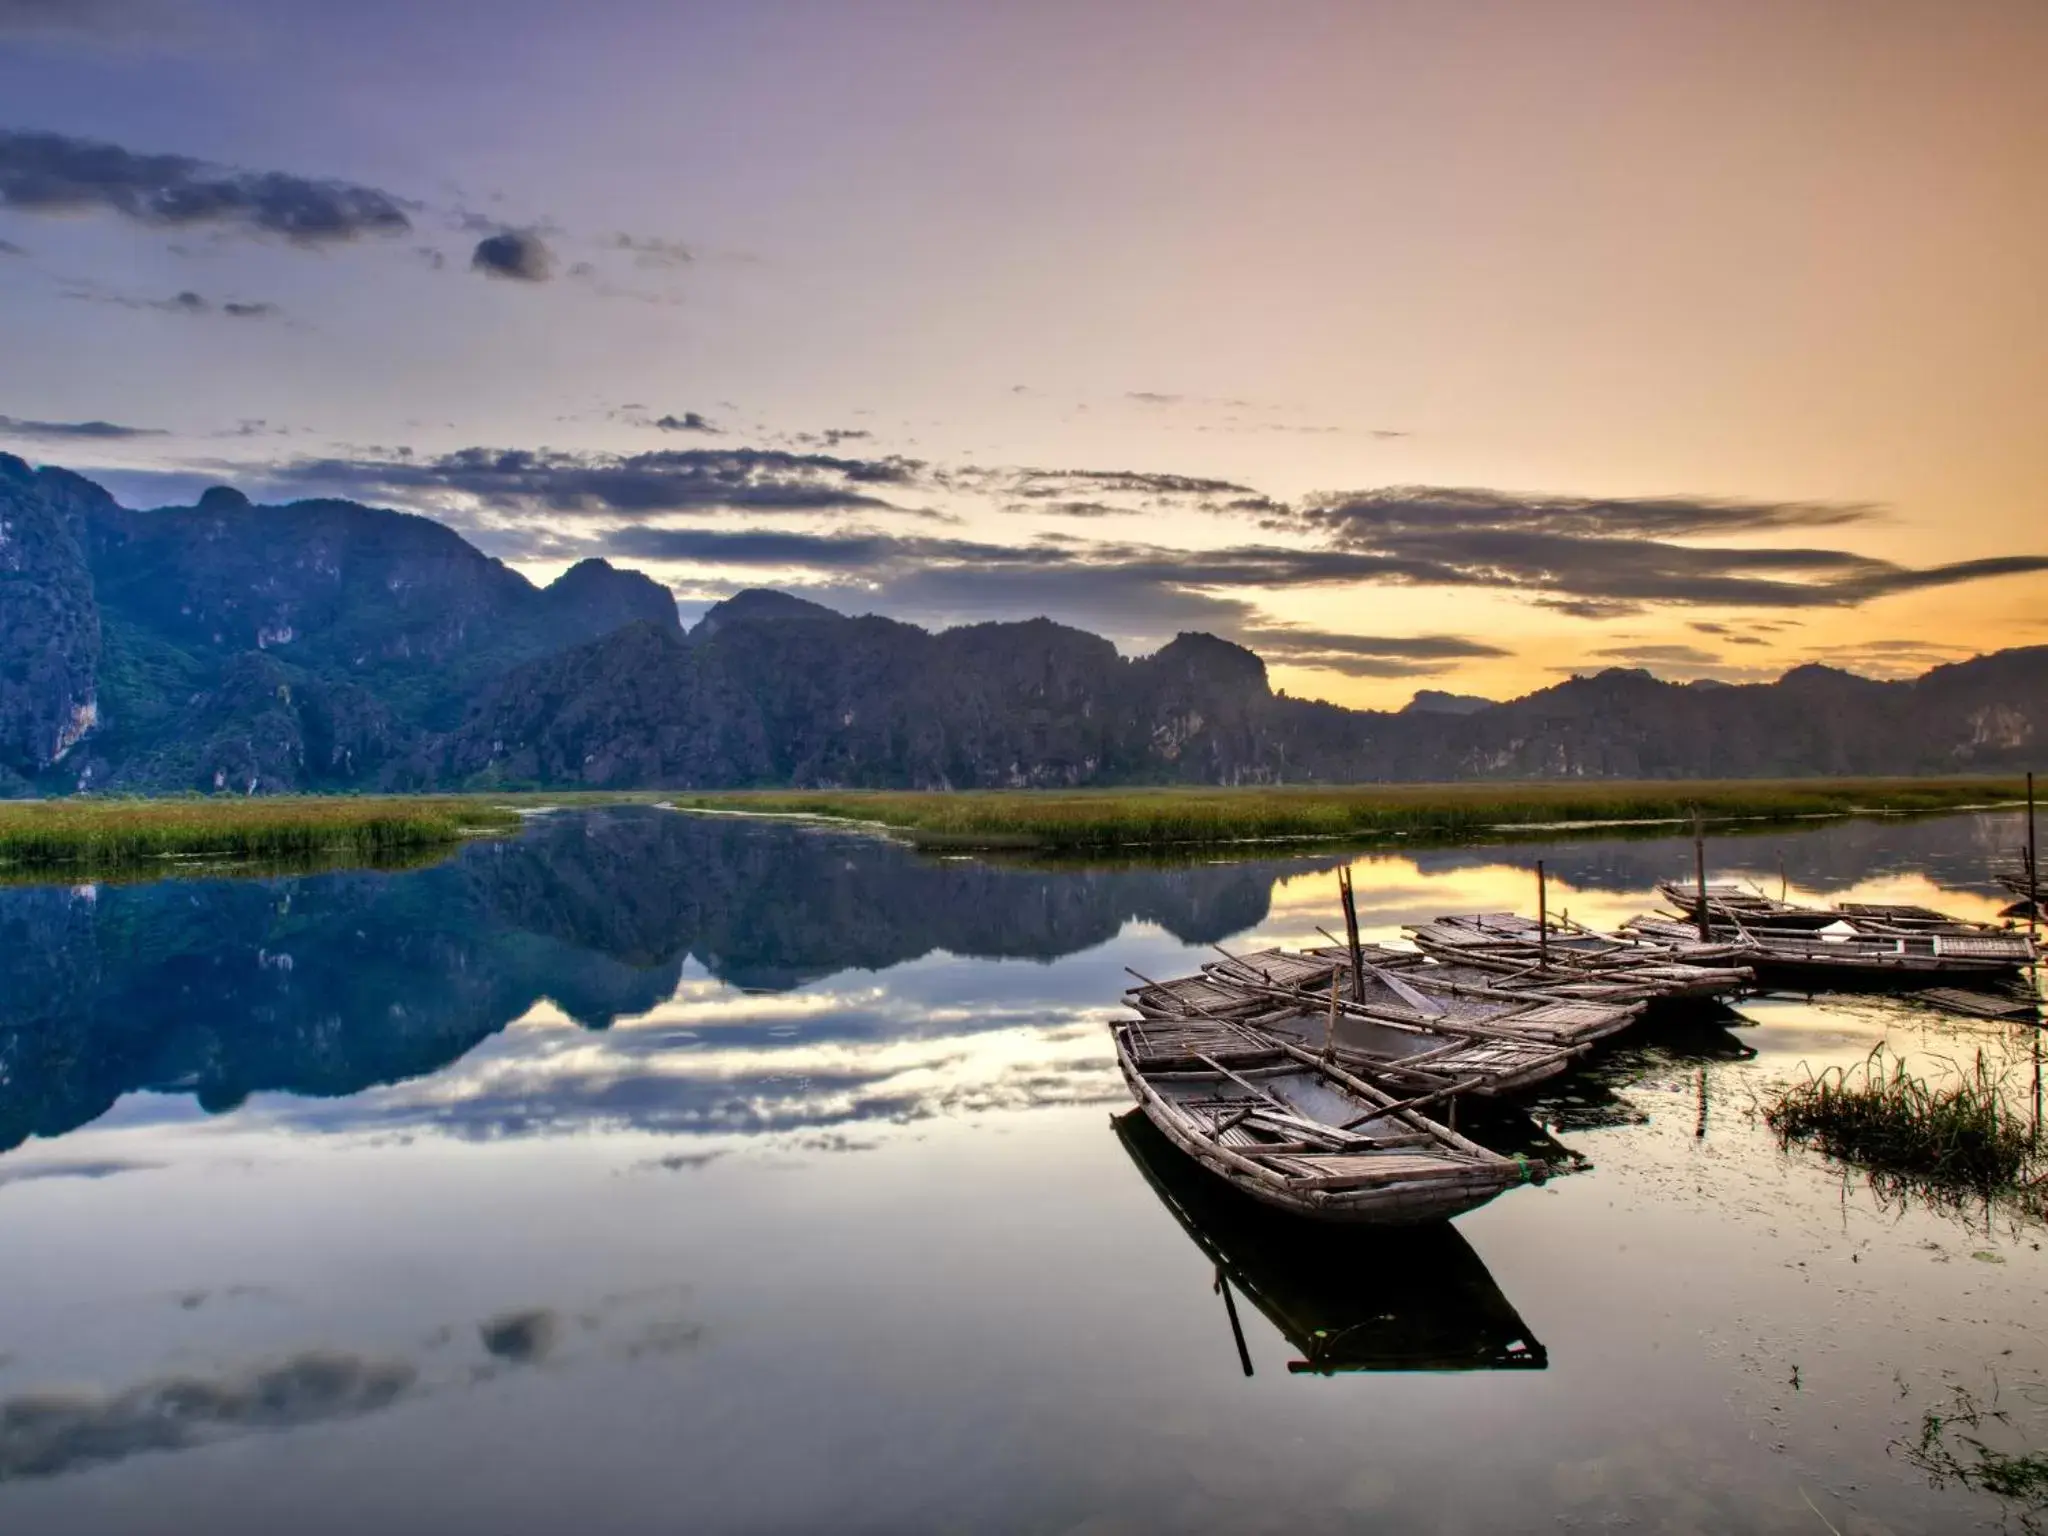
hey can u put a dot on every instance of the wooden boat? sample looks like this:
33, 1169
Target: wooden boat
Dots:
1409, 1028
1302, 1134
1854, 941
1627, 965
1348, 1299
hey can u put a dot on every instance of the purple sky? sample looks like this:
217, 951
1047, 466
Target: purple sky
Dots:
1727, 322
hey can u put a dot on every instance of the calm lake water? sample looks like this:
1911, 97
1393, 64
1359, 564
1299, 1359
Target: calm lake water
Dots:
653, 1173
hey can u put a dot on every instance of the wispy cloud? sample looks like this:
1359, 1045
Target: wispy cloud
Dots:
73, 431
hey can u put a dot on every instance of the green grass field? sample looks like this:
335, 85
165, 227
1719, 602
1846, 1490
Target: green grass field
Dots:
1099, 819
93, 836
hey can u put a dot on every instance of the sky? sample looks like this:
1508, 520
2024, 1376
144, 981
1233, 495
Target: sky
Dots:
1417, 345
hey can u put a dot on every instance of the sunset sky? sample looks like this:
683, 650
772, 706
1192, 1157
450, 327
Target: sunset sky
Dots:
1435, 345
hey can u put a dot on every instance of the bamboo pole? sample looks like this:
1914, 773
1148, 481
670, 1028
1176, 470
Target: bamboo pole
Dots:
1699, 870
1542, 920
1344, 890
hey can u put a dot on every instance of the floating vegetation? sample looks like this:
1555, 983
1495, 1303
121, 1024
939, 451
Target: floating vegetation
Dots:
1163, 816
93, 837
1957, 1137
1952, 1451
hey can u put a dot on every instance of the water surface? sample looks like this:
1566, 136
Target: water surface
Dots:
656, 1173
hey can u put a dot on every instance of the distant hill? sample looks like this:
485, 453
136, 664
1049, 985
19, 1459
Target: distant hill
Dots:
326, 645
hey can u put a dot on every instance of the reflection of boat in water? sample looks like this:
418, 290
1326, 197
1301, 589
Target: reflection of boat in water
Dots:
1299, 1132
1417, 1299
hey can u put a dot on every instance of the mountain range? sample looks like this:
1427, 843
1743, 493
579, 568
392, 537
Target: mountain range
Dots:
326, 645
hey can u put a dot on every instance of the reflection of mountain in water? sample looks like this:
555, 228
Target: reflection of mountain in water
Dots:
1955, 852
1350, 1299
329, 984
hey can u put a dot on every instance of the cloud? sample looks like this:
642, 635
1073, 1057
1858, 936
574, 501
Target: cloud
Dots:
1363, 655
651, 253
689, 421
628, 485
9, 248
97, 431
521, 1338
50, 173
185, 302
1152, 397
1599, 555
1662, 655
45, 1434
91, 20
518, 254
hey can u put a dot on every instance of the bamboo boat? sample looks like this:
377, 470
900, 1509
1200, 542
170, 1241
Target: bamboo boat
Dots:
1407, 1027
1300, 1133
1347, 1299
1626, 965
1854, 941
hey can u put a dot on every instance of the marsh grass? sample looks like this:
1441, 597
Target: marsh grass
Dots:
1089, 819
1958, 1137
110, 837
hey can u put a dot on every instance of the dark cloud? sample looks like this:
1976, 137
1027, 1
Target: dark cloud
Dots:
1599, 554
631, 485
1152, 397
1708, 628
521, 1338
518, 254
45, 1434
52, 173
9, 248
240, 311
1363, 655
651, 253
689, 421
96, 20
1067, 482
1589, 608
100, 431
1422, 509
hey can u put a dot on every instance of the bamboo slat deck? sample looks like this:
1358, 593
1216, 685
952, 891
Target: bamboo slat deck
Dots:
1631, 965
1308, 1137
1408, 1027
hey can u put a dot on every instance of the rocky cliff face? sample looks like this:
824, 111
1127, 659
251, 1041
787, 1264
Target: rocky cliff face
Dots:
231, 646
326, 645
49, 622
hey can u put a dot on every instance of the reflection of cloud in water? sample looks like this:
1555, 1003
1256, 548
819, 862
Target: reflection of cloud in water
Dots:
43, 1434
825, 1061
102, 1168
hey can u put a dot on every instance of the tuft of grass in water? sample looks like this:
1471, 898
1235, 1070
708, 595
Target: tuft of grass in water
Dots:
1066, 819
111, 836
1951, 1449
1958, 1136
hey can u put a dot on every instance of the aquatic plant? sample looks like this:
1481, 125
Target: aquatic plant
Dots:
1957, 1136
96, 836
1951, 1449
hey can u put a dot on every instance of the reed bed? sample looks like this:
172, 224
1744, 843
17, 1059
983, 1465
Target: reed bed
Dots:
113, 835
1959, 1136
1089, 819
